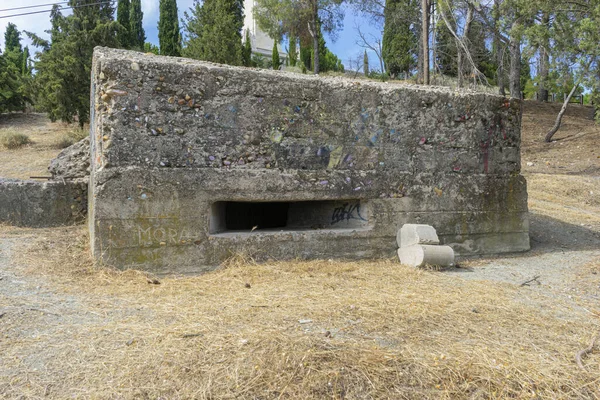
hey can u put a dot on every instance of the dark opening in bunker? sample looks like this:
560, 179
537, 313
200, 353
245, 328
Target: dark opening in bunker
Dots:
240, 216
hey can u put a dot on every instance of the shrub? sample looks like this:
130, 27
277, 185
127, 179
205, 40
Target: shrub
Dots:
70, 138
64, 141
13, 140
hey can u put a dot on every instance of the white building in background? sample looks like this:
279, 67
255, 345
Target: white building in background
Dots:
261, 42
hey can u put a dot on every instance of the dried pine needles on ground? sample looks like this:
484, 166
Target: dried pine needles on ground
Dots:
283, 330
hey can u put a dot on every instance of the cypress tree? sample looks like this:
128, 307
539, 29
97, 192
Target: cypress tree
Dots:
124, 36
10, 86
293, 52
247, 51
447, 51
306, 55
213, 29
169, 36
12, 79
479, 52
25, 68
366, 63
136, 28
399, 44
275, 56
12, 39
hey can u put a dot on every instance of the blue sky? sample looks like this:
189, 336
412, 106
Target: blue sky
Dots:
344, 47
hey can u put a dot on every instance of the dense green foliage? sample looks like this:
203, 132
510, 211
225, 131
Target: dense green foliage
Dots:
136, 29
446, 51
169, 36
150, 48
275, 60
399, 44
247, 50
123, 35
62, 81
293, 50
213, 31
305, 19
15, 72
328, 60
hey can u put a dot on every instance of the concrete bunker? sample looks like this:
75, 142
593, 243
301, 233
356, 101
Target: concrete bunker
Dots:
193, 162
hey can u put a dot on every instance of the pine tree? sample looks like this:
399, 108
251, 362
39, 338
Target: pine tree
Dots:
136, 28
124, 36
399, 47
247, 50
213, 29
275, 57
62, 79
169, 36
366, 64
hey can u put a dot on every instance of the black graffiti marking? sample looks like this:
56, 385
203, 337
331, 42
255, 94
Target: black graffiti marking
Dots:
346, 212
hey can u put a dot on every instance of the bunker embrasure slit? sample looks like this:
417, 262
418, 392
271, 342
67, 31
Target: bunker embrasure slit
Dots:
242, 216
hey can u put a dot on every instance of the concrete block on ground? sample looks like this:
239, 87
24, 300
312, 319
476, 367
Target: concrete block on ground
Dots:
411, 234
419, 255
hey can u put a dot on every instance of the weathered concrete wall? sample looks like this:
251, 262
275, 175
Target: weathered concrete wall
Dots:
172, 138
42, 204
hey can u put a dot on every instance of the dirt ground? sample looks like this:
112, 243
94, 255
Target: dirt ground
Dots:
323, 329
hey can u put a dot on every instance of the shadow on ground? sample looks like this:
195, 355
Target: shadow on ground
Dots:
12, 120
549, 235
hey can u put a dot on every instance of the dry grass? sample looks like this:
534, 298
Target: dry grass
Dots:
377, 330
12, 140
70, 137
33, 159
575, 199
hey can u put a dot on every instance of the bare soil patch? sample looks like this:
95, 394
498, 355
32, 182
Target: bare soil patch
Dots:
574, 150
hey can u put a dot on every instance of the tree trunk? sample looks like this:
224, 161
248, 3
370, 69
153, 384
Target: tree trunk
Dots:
515, 61
433, 42
556, 126
420, 62
315, 32
498, 49
466, 45
425, 39
544, 68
